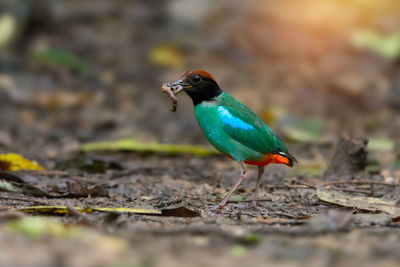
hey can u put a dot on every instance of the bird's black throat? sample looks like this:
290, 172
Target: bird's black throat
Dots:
204, 91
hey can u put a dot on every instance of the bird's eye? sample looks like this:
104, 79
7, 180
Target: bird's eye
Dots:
196, 79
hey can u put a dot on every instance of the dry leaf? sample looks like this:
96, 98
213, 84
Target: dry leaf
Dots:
64, 210
360, 202
15, 162
166, 55
8, 27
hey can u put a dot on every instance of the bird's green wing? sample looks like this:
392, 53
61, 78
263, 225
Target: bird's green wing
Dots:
247, 128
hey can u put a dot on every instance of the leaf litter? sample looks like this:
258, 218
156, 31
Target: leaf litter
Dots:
59, 210
373, 204
292, 204
74, 187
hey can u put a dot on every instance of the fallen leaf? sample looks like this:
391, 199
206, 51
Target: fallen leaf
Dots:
76, 187
15, 162
387, 46
179, 212
304, 130
19, 182
360, 202
381, 144
8, 187
167, 56
8, 26
130, 145
64, 210
27, 189
97, 191
63, 99
372, 219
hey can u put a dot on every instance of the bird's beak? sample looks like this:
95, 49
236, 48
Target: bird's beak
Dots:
181, 84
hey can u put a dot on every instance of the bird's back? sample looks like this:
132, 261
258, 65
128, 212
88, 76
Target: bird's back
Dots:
235, 130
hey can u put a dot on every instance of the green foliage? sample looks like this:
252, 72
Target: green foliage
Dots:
130, 145
35, 227
61, 59
7, 29
239, 251
381, 144
252, 239
301, 130
387, 46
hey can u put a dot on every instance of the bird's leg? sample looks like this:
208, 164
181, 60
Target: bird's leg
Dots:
260, 174
241, 179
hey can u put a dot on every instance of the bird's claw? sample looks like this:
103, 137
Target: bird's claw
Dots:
214, 211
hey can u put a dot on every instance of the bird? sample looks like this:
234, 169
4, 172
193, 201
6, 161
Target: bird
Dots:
233, 129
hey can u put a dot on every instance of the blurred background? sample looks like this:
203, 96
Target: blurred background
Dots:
73, 71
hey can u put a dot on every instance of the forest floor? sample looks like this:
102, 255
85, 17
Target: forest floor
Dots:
290, 226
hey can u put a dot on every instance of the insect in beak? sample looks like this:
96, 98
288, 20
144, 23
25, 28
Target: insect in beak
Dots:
181, 84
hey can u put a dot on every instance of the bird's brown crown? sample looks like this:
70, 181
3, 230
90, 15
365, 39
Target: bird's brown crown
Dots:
201, 73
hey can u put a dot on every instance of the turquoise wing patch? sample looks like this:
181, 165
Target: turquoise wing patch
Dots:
242, 125
229, 120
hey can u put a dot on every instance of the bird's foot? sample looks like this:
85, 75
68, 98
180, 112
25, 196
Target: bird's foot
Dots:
216, 208
214, 211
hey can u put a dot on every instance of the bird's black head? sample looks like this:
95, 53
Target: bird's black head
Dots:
199, 85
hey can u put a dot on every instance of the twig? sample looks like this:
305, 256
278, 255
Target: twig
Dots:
78, 214
277, 222
309, 185
353, 190
272, 186
247, 200
46, 172
24, 199
164, 204
359, 182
